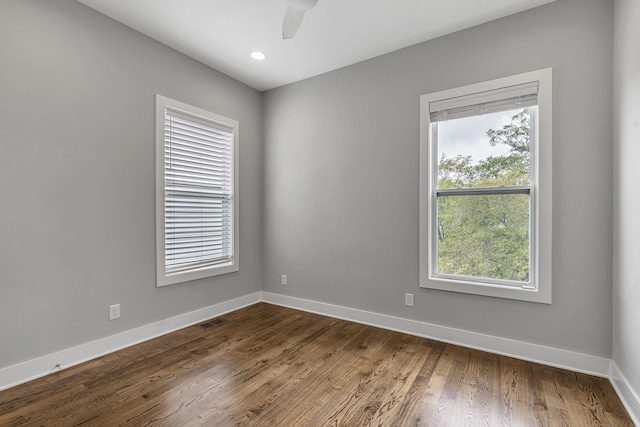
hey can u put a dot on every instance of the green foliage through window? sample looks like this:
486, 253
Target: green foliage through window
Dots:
487, 235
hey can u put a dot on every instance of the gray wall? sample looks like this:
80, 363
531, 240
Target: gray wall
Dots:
626, 284
341, 177
77, 177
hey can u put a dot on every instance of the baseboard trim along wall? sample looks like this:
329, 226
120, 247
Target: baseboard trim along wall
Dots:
629, 397
579, 362
26, 371
41, 366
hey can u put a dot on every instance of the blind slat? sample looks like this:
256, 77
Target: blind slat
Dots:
195, 142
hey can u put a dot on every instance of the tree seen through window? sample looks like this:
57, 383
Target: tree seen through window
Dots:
485, 235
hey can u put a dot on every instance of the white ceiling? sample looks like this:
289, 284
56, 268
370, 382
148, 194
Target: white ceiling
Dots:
334, 34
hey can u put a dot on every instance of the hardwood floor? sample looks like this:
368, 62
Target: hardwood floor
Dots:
271, 366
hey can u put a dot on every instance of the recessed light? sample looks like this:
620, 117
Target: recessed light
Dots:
258, 56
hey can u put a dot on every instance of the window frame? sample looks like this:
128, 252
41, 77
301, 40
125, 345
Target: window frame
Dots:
540, 191
162, 277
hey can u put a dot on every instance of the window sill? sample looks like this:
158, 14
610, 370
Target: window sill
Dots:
488, 289
175, 278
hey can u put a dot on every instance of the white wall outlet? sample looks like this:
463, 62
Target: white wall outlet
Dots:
408, 300
284, 280
114, 311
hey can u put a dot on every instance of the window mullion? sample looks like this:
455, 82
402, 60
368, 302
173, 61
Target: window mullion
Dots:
520, 189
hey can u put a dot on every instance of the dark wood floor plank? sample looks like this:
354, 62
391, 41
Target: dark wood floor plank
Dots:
264, 379
211, 355
360, 383
267, 366
381, 392
301, 365
323, 381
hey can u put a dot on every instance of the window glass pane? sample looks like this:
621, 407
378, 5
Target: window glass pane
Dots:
487, 150
484, 236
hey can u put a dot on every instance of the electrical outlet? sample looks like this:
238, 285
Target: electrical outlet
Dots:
114, 311
408, 300
284, 280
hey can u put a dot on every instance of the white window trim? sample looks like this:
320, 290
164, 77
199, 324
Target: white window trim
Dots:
162, 278
540, 291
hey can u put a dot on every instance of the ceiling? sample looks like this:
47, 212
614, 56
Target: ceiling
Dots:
334, 34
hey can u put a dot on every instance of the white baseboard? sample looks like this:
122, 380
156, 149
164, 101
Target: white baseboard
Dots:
41, 366
26, 371
579, 362
629, 397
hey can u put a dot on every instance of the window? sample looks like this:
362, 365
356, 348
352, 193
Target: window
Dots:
485, 188
196, 193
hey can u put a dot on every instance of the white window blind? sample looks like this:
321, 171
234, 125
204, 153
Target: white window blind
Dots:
198, 192
503, 99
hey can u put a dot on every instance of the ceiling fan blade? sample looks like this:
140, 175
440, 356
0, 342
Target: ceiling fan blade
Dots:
291, 23
302, 4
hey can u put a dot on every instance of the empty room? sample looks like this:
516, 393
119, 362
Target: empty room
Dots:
319, 213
